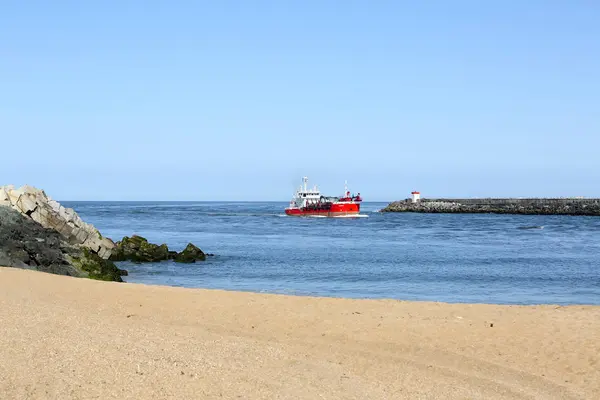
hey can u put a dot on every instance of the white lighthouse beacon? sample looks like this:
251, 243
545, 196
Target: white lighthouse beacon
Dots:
416, 196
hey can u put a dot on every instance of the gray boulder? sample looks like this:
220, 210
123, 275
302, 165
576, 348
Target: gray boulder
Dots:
34, 204
26, 244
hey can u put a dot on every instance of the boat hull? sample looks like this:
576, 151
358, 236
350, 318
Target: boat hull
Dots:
336, 210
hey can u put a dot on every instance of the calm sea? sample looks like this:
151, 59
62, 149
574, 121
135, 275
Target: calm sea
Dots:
441, 257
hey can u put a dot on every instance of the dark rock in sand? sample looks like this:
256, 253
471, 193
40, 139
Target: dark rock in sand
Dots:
190, 254
97, 267
25, 243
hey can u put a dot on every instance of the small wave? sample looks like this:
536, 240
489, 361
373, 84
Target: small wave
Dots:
532, 227
333, 216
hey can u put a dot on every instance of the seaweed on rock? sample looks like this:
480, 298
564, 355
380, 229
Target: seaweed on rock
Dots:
138, 249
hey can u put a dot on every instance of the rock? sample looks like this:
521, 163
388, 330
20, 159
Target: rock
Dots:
13, 196
39, 233
190, 254
35, 204
4, 199
162, 252
81, 235
25, 241
26, 244
39, 214
26, 204
93, 241
106, 248
13, 260
31, 190
138, 249
97, 267
54, 205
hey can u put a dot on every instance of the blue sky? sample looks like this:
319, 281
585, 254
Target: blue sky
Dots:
236, 100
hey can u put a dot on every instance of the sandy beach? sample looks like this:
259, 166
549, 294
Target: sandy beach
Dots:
73, 338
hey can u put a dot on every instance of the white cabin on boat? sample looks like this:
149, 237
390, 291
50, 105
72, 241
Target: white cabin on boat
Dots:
305, 196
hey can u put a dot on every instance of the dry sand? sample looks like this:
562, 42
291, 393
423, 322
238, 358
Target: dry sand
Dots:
71, 338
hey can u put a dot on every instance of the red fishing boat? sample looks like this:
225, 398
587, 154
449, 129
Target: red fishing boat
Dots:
310, 202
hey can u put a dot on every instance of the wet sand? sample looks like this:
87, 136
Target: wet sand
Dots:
71, 338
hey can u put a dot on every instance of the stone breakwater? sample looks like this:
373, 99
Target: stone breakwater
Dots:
561, 206
37, 232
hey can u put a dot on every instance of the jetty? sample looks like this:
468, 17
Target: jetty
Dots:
525, 206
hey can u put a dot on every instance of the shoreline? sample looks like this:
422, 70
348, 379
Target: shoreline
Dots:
324, 297
79, 338
239, 292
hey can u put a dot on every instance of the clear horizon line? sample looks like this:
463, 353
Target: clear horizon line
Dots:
207, 201
364, 201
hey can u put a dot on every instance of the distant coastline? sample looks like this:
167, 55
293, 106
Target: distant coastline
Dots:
527, 206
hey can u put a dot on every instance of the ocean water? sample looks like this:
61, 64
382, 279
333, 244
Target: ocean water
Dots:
478, 258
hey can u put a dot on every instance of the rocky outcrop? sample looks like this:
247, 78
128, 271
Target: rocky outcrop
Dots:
37, 232
138, 249
36, 205
26, 244
566, 206
190, 254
